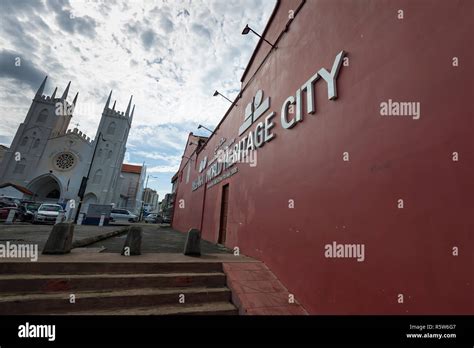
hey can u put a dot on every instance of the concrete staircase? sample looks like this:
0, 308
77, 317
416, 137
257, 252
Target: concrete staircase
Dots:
114, 288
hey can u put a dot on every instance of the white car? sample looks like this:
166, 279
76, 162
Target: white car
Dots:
153, 218
47, 213
122, 215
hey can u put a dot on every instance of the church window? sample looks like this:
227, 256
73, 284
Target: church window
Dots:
19, 168
36, 143
100, 153
43, 115
64, 161
109, 154
97, 177
111, 128
24, 141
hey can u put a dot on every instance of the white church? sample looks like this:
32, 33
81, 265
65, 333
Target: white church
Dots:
50, 160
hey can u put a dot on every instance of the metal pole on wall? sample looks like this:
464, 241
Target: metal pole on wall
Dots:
144, 193
143, 198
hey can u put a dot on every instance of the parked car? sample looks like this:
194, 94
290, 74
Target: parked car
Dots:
153, 218
122, 215
4, 204
166, 219
47, 212
10, 200
5, 210
28, 210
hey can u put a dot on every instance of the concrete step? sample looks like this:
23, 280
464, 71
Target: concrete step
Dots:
212, 308
108, 267
14, 304
40, 283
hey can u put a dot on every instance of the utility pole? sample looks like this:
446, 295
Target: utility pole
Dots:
85, 179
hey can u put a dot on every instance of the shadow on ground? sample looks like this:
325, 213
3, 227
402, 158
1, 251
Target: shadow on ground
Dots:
158, 239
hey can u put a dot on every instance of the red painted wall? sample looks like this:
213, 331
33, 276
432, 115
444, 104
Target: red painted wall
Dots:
407, 251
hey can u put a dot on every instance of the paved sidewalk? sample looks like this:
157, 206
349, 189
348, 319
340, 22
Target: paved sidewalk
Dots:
257, 291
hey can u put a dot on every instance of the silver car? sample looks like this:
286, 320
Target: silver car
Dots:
123, 215
47, 212
153, 218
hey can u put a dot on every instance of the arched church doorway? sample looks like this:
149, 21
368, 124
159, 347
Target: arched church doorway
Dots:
46, 188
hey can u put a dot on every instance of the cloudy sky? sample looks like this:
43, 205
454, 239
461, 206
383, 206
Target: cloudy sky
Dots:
170, 54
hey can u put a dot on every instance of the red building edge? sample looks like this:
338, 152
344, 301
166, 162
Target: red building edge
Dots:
359, 195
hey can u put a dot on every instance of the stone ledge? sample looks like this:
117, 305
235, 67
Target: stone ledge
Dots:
91, 240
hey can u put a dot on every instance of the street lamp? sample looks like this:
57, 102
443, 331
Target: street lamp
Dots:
85, 179
216, 93
144, 193
201, 126
247, 29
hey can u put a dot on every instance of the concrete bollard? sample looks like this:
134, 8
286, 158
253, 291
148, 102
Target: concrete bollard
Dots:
102, 219
60, 239
80, 218
133, 243
61, 218
193, 243
70, 214
10, 217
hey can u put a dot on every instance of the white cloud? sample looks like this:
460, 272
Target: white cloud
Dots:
171, 55
163, 169
158, 156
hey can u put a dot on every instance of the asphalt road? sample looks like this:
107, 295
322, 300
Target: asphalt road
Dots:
157, 239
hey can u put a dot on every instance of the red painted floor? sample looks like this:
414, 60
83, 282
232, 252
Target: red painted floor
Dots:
256, 290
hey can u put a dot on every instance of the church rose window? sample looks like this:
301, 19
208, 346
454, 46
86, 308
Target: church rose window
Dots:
64, 161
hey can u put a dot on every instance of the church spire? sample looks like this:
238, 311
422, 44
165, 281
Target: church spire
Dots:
108, 101
127, 113
113, 107
131, 116
54, 93
66, 91
41, 89
75, 99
